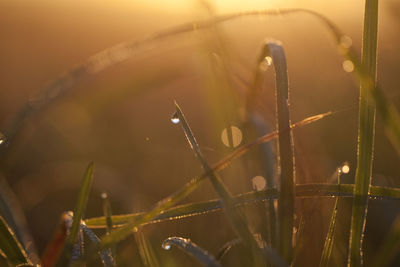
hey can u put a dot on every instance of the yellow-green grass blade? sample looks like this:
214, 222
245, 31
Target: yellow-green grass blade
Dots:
390, 247
192, 249
107, 211
10, 246
286, 157
203, 207
146, 251
238, 223
366, 133
328, 245
78, 214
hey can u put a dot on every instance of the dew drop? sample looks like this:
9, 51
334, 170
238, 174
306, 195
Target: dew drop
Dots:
166, 246
258, 183
268, 60
236, 136
346, 41
348, 66
175, 118
265, 63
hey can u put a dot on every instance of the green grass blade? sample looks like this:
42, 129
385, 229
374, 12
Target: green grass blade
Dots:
79, 211
286, 157
146, 251
237, 221
108, 215
10, 246
390, 247
202, 207
329, 239
366, 132
192, 249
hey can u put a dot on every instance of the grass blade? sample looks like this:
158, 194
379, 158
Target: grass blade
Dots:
237, 221
286, 157
77, 215
108, 215
225, 248
10, 246
202, 207
328, 245
146, 251
366, 132
192, 249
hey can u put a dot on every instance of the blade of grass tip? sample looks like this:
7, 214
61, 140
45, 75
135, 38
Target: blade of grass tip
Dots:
285, 145
146, 251
225, 248
237, 221
366, 132
10, 246
328, 245
108, 215
192, 249
123, 232
79, 211
390, 247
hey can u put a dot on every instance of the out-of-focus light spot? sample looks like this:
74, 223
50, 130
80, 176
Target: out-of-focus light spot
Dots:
346, 42
236, 137
348, 66
345, 168
104, 195
259, 183
148, 139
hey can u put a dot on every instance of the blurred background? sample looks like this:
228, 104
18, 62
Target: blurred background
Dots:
120, 117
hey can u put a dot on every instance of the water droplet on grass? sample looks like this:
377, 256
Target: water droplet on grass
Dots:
348, 65
236, 137
175, 118
166, 246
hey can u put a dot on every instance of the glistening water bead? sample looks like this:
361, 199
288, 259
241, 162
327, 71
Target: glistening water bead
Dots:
175, 118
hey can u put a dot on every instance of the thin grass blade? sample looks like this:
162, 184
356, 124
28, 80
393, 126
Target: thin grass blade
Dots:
236, 220
225, 248
108, 215
366, 133
146, 251
79, 211
203, 207
192, 249
10, 246
329, 239
286, 157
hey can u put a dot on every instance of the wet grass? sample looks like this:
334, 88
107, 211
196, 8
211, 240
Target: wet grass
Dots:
278, 250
